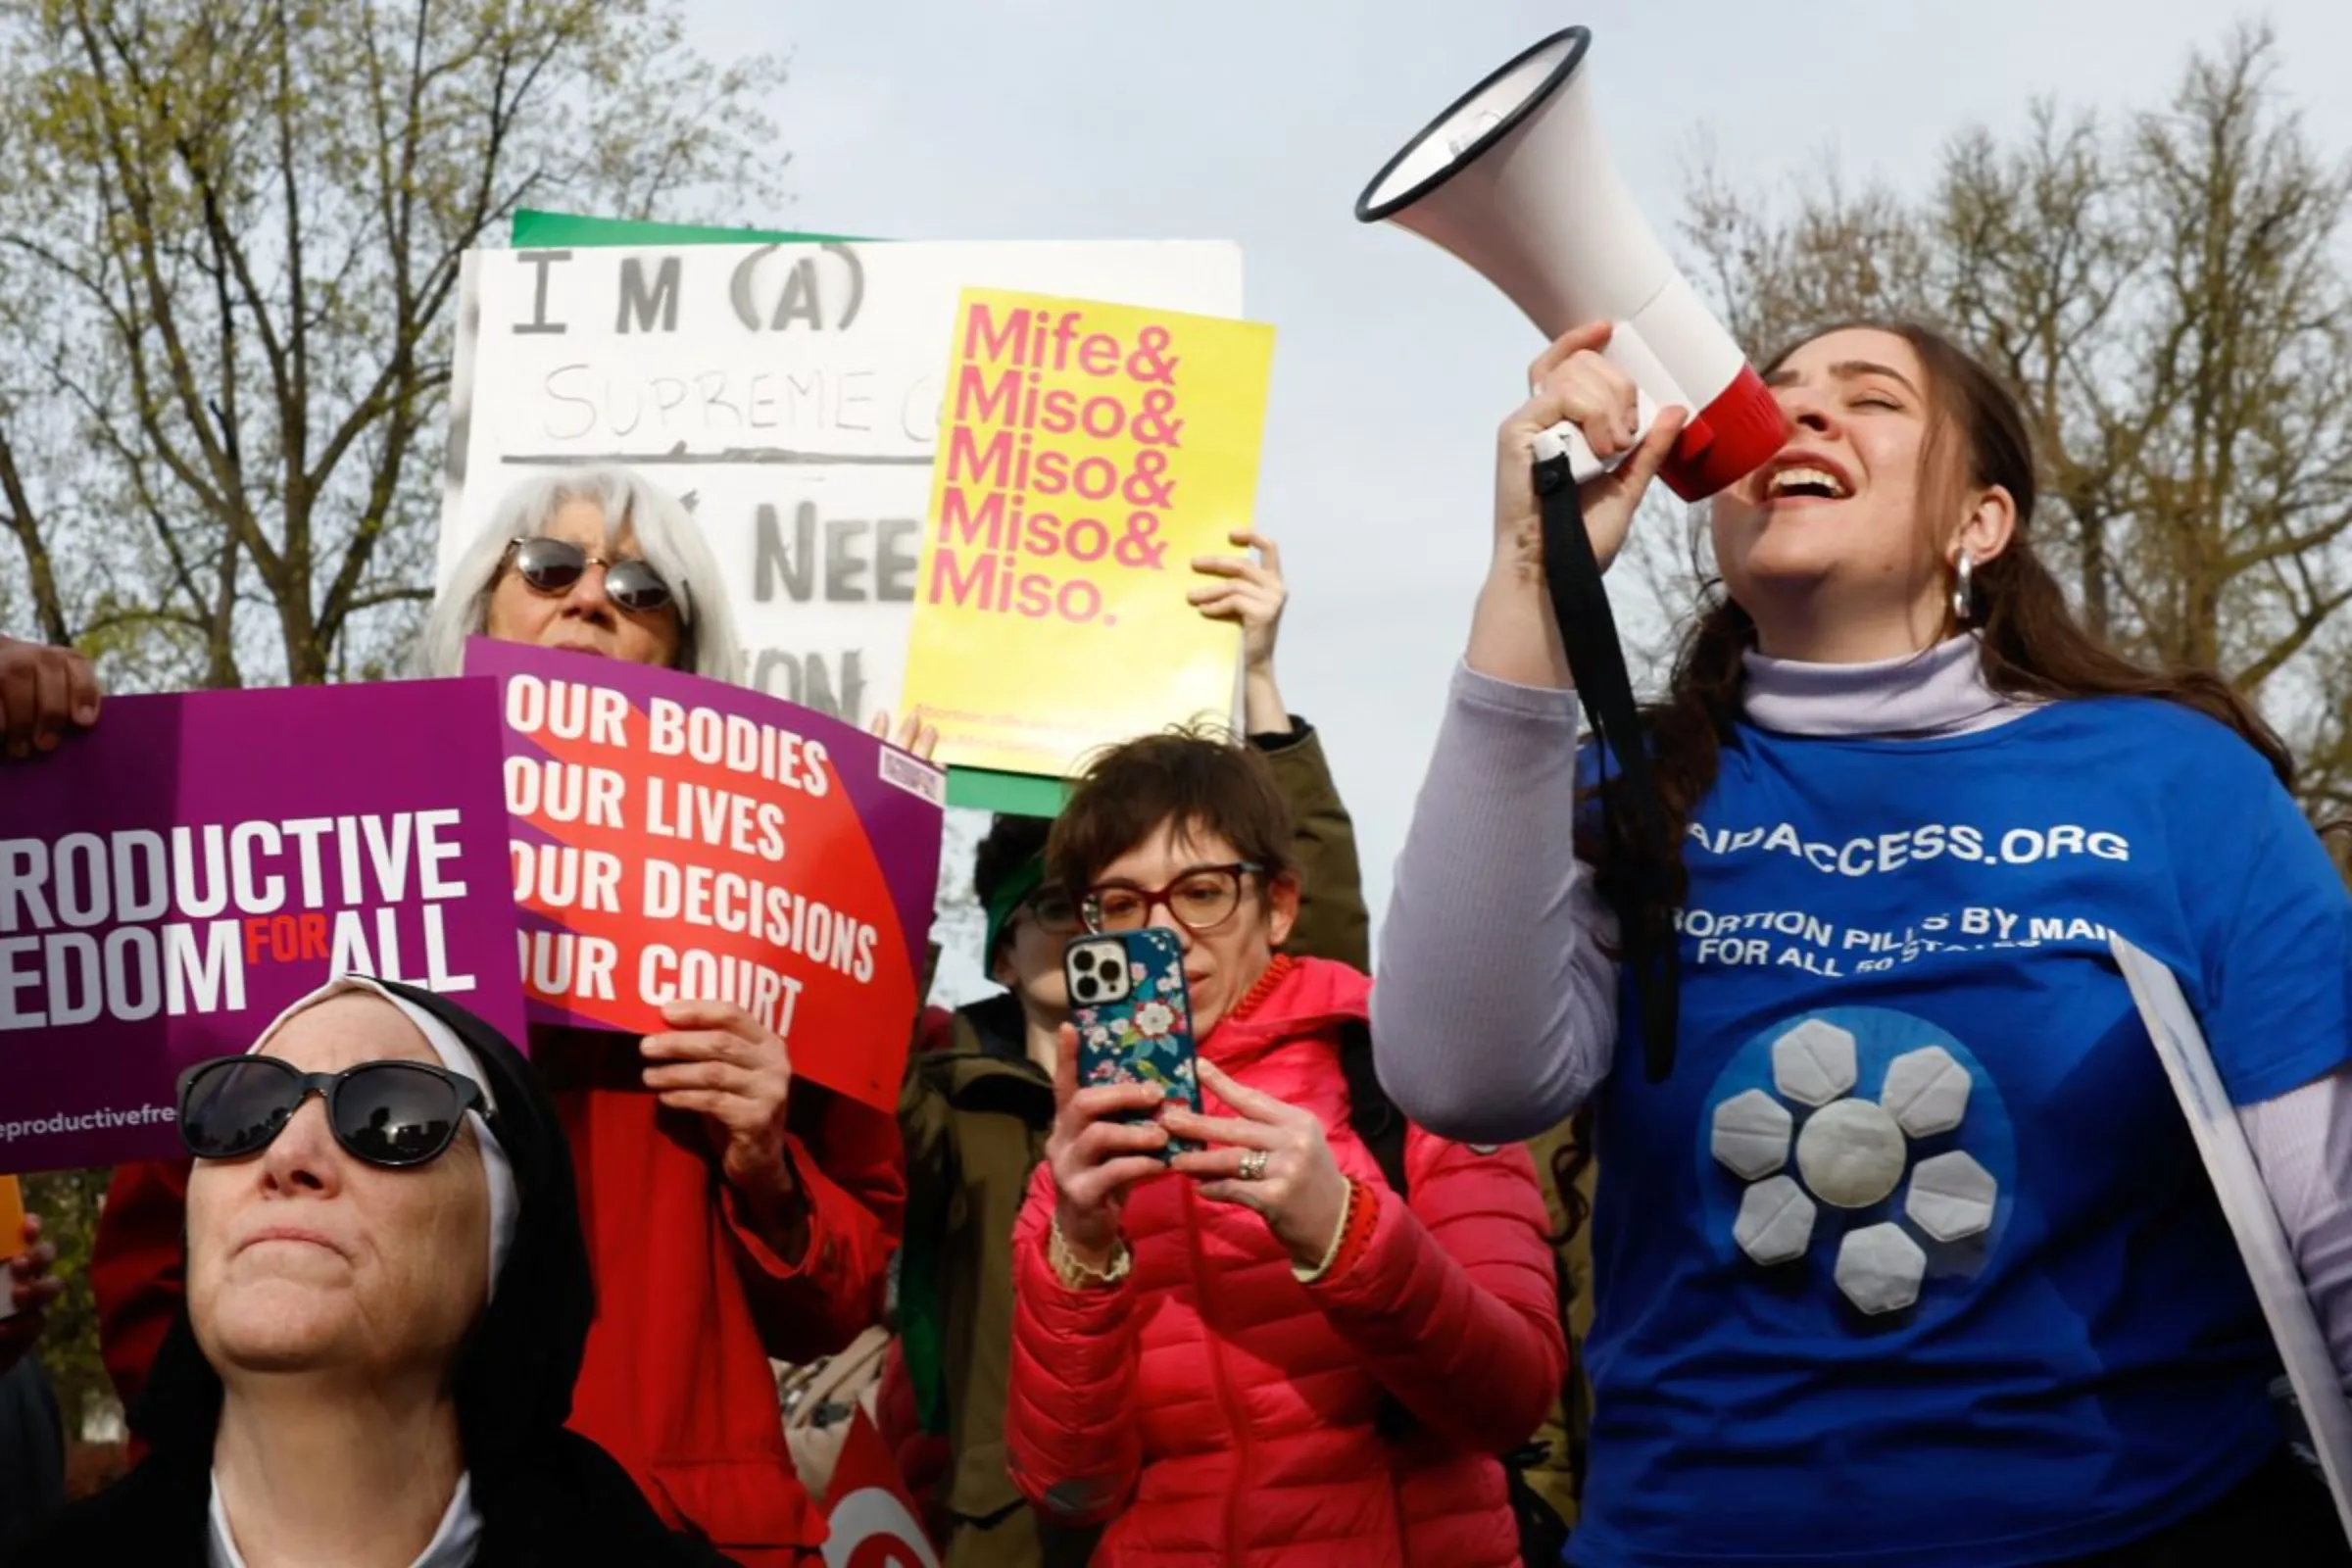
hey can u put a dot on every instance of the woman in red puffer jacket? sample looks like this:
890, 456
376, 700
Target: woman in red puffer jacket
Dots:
1262, 1355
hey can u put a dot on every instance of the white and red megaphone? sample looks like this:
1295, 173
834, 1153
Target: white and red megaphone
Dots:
1514, 179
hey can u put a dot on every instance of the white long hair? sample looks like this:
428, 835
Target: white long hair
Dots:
666, 536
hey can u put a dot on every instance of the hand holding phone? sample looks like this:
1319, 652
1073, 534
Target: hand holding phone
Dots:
1125, 1055
1134, 1017
1268, 1156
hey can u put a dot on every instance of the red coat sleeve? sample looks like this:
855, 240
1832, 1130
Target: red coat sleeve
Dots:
1070, 1435
852, 1175
1455, 1305
138, 1265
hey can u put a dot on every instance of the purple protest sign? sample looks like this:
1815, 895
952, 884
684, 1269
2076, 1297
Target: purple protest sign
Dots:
680, 838
170, 880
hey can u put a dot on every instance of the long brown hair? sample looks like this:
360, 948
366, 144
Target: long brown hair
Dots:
2032, 645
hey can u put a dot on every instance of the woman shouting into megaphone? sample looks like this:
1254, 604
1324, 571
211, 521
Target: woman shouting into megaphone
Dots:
1911, 1261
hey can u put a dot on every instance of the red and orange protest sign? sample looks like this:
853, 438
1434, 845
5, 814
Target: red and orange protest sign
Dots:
1086, 452
678, 839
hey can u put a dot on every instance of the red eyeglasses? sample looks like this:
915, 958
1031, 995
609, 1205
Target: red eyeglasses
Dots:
1201, 899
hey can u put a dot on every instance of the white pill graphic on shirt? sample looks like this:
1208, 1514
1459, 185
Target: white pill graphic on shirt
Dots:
1952, 1197
1851, 1153
1879, 1269
1776, 1221
1813, 1063
1750, 1134
1927, 1091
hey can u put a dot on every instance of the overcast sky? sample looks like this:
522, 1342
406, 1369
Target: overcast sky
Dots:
1260, 121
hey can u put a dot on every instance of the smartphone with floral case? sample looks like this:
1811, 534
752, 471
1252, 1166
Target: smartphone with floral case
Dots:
1133, 1016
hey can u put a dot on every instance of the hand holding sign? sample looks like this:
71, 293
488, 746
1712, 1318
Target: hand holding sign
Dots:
1249, 593
726, 1065
43, 692
916, 738
1252, 594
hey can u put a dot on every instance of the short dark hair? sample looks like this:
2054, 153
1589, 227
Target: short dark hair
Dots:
1012, 843
1198, 778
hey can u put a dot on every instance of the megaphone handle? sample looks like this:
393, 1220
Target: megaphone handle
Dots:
1579, 607
1583, 466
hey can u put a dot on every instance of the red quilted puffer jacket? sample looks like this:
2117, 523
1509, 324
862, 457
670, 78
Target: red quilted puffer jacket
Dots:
1217, 1411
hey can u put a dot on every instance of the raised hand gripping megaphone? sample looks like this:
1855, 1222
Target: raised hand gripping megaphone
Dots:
1515, 179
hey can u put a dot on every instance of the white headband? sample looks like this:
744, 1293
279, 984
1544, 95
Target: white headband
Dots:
506, 1202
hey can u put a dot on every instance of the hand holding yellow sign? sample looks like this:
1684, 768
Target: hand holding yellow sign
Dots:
1086, 453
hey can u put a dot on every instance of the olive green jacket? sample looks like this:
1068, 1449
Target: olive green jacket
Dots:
1566, 1171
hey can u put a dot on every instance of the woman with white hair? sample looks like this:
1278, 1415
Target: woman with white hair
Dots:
733, 1212
526, 577
388, 1292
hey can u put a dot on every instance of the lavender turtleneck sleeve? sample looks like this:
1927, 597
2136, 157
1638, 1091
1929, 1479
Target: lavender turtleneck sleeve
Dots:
1494, 1007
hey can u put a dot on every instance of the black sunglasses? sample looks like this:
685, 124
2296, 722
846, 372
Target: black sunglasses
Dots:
391, 1113
553, 566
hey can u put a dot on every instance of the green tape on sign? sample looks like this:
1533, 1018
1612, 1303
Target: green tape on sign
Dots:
537, 230
983, 788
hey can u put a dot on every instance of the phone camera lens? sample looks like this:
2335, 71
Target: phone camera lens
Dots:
1087, 987
1083, 961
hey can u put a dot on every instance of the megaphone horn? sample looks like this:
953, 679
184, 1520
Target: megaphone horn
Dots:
1515, 179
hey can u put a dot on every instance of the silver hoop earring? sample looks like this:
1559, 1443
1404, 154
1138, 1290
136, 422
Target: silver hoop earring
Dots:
1963, 568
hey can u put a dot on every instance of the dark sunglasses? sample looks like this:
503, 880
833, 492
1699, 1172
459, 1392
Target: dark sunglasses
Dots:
391, 1113
553, 566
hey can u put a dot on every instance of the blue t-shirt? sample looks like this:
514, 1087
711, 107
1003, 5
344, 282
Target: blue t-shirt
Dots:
1912, 1261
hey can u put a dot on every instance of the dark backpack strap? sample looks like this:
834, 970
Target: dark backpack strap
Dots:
1543, 1533
1381, 1126
1370, 1112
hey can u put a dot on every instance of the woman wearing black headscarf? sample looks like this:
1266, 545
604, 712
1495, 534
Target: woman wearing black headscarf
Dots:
388, 1295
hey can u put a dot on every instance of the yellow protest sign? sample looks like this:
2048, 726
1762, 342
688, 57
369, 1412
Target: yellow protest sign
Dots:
1087, 452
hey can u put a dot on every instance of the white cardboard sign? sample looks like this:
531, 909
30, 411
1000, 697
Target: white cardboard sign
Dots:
789, 393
